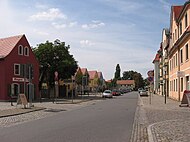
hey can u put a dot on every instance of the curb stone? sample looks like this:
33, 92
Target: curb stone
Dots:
150, 135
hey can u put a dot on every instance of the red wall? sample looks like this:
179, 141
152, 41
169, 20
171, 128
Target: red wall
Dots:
8, 64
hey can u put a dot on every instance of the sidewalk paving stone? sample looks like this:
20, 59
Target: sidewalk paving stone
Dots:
164, 122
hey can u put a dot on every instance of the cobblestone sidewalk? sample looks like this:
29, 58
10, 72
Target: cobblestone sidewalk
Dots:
161, 122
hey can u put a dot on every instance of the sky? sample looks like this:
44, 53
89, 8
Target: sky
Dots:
101, 33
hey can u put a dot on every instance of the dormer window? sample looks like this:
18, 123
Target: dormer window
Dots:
20, 50
26, 51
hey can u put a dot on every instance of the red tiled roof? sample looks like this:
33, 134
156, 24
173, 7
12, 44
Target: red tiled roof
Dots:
157, 58
177, 11
7, 45
77, 71
125, 82
84, 70
92, 74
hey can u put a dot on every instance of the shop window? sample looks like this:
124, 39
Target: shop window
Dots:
181, 84
15, 89
187, 82
176, 85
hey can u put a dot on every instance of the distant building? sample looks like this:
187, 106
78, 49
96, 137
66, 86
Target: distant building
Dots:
129, 84
16, 58
93, 80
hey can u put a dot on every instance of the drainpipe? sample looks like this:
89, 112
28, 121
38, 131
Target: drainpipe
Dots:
178, 76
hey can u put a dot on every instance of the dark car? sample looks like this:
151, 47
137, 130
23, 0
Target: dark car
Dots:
116, 93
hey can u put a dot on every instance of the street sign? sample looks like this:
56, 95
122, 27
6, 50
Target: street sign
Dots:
150, 73
150, 79
186, 98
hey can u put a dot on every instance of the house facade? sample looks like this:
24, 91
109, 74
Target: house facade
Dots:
93, 80
156, 63
179, 63
19, 68
126, 84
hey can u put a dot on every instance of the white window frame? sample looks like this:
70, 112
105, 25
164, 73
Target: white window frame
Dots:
20, 53
26, 49
15, 69
13, 87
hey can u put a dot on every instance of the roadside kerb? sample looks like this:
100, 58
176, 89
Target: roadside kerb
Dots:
18, 111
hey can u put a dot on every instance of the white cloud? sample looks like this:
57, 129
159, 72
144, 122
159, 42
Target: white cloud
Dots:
41, 6
94, 24
59, 26
72, 24
40, 32
85, 43
49, 15
165, 4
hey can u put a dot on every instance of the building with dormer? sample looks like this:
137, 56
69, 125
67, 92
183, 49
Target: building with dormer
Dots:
19, 68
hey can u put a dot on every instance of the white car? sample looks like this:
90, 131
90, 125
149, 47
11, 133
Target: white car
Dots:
143, 93
107, 94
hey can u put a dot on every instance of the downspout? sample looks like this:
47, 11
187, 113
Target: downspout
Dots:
178, 76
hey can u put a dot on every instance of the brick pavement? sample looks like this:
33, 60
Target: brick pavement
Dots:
161, 122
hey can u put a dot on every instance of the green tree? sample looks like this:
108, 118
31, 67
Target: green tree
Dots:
55, 57
117, 72
133, 75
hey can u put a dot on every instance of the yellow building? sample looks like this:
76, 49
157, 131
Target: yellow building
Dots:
93, 80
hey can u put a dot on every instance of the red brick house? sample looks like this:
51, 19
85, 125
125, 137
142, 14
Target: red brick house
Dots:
16, 60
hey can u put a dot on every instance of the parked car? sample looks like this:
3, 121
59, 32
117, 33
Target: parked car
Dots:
143, 92
116, 93
140, 89
107, 94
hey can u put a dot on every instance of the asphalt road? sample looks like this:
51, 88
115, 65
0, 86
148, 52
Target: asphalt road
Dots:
110, 120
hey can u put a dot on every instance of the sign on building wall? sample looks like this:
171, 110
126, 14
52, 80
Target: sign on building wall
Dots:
180, 73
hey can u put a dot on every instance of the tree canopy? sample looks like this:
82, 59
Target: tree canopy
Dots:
133, 75
55, 57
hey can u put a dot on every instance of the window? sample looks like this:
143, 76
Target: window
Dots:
26, 51
20, 50
175, 34
181, 56
180, 28
176, 85
186, 20
15, 89
181, 84
187, 82
16, 69
187, 51
176, 59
